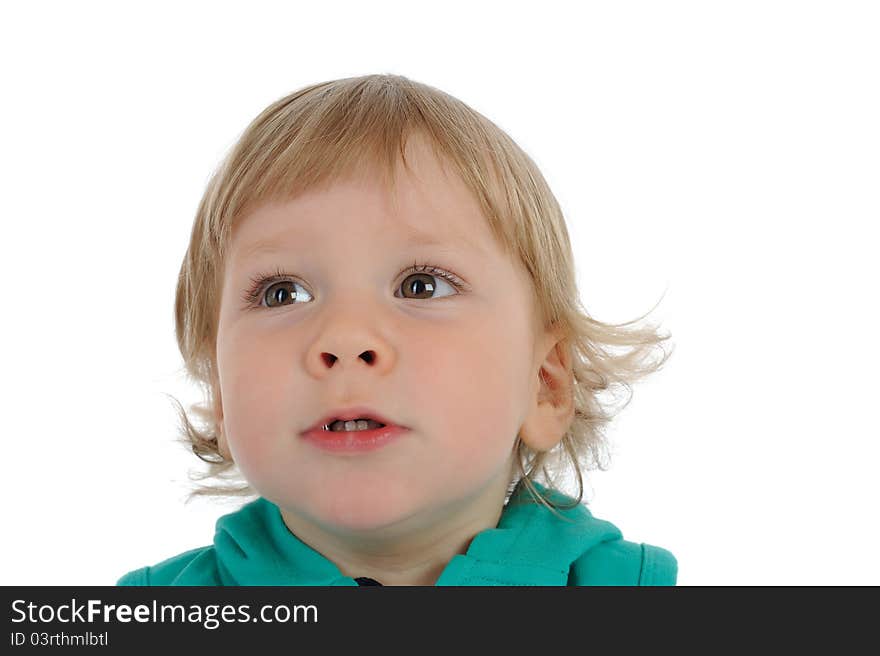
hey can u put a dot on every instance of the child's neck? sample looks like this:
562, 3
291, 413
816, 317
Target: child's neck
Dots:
417, 552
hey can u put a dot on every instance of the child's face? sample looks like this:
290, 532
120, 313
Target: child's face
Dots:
456, 367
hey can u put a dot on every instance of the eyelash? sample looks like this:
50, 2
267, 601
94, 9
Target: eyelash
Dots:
253, 297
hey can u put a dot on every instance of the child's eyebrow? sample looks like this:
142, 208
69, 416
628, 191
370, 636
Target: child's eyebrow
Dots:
413, 238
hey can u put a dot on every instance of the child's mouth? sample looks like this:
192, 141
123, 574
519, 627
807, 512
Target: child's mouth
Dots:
354, 441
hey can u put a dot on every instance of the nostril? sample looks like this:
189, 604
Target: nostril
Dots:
368, 356
329, 359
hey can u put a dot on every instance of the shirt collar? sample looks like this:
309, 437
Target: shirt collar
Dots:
529, 546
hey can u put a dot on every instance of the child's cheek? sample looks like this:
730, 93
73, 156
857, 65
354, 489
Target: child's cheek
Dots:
256, 399
256, 425
472, 402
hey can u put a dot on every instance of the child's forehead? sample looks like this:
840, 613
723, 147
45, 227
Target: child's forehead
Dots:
300, 226
421, 209
423, 181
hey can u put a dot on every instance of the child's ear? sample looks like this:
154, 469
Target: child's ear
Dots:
551, 406
222, 444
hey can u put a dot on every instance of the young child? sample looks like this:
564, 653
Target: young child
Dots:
379, 298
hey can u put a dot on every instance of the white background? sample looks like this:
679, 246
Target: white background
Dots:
726, 153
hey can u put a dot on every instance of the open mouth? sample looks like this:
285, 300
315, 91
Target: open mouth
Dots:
362, 423
353, 425
344, 438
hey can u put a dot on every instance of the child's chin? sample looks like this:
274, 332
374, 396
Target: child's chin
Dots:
362, 514
361, 508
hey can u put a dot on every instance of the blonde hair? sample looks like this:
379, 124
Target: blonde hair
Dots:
325, 132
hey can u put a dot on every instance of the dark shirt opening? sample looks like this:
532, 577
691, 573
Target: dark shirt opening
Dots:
366, 580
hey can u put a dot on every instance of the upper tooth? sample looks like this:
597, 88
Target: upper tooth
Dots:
353, 425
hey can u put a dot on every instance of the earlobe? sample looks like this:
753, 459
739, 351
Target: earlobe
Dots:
552, 407
222, 445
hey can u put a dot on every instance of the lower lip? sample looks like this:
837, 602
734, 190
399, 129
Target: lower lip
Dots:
354, 441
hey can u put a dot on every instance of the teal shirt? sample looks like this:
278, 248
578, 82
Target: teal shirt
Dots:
529, 546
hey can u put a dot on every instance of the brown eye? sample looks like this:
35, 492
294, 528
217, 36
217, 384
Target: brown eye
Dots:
281, 293
422, 286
